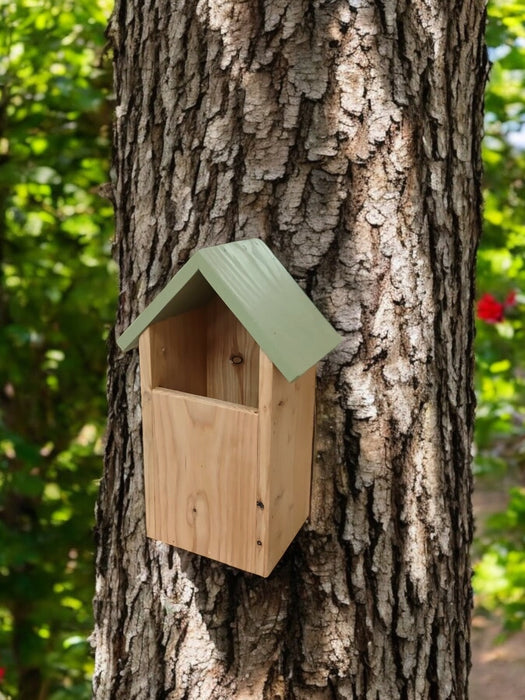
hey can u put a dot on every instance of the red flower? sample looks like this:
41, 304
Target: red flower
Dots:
2, 674
490, 309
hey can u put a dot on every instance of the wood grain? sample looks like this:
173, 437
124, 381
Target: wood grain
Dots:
226, 339
204, 491
178, 352
286, 417
221, 479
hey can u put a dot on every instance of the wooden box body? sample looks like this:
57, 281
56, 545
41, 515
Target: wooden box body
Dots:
227, 440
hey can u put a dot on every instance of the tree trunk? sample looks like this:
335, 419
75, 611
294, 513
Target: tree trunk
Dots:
347, 136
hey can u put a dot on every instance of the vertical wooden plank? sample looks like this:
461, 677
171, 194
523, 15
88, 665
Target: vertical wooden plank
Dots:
148, 445
286, 423
264, 503
204, 493
229, 343
178, 352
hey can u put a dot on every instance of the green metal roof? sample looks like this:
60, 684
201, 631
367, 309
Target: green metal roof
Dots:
260, 293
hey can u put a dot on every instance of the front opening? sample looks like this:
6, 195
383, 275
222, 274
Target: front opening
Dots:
207, 352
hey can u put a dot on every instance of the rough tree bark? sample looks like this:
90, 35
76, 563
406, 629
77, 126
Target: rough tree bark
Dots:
347, 136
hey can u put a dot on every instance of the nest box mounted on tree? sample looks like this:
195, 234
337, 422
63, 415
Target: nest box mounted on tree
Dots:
227, 363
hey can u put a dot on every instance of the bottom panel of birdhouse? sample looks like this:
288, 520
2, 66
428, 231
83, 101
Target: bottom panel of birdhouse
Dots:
201, 478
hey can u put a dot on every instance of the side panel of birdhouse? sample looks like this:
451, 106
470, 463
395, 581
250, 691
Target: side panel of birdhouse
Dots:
286, 424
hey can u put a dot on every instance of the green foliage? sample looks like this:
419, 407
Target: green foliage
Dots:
57, 298
500, 575
500, 350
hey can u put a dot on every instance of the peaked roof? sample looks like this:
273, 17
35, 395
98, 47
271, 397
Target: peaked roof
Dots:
260, 293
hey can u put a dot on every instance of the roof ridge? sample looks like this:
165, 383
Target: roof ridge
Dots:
259, 291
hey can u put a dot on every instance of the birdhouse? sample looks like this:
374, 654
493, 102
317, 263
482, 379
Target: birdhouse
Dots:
228, 352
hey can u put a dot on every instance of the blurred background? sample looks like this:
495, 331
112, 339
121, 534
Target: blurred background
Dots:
58, 290
499, 463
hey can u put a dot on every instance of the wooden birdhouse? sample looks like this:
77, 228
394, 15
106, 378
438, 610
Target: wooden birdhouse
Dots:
228, 351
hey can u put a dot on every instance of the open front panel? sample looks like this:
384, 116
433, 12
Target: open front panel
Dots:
206, 352
201, 478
